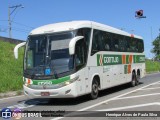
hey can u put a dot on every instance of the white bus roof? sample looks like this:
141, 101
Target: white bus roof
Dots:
72, 25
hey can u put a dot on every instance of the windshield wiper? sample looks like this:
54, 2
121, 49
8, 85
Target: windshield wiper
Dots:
54, 71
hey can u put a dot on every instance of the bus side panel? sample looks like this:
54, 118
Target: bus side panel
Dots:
81, 82
94, 70
143, 70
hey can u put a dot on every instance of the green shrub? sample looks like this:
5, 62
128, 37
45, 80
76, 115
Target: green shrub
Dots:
10, 68
152, 66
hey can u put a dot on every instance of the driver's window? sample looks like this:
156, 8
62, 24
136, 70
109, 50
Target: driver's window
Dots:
30, 59
80, 54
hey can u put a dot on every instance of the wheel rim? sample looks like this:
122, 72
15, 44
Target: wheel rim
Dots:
134, 80
95, 89
138, 78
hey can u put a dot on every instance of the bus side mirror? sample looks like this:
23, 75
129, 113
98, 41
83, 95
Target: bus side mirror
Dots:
73, 43
16, 49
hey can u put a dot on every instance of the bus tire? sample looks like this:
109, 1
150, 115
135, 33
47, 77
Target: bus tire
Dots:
137, 78
95, 89
133, 82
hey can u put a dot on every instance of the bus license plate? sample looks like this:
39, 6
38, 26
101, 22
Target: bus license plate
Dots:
45, 94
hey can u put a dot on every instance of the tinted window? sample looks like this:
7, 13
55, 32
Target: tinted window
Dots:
140, 45
105, 41
115, 40
82, 47
86, 32
80, 54
135, 45
97, 43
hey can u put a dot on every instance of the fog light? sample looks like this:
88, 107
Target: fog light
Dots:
26, 92
67, 91
67, 83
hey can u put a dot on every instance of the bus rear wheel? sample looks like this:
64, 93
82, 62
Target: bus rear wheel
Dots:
95, 90
134, 80
137, 79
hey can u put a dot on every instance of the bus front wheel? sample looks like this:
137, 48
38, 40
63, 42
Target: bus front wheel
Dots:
95, 90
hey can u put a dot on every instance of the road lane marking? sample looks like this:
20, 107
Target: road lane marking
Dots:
136, 96
151, 88
158, 83
117, 97
92, 106
110, 109
132, 106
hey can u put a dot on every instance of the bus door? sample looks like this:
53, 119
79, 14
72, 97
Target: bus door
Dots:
80, 62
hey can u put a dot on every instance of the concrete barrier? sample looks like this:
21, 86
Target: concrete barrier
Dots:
11, 40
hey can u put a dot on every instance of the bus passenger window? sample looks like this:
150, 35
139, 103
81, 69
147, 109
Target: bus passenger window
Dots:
107, 48
107, 41
140, 46
97, 44
133, 46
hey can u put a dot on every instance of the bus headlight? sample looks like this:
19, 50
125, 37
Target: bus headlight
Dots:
28, 82
69, 82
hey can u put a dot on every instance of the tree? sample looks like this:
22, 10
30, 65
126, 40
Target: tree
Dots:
156, 48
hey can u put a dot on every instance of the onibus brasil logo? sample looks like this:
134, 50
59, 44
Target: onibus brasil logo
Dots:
6, 113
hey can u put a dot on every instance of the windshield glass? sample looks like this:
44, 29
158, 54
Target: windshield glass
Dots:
36, 51
48, 55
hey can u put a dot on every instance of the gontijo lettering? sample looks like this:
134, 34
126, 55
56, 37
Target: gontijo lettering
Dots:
104, 59
111, 59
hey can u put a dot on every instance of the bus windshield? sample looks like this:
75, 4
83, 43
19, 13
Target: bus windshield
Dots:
48, 52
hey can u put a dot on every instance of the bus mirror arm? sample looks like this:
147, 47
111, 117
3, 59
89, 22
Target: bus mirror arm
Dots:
73, 43
16, 49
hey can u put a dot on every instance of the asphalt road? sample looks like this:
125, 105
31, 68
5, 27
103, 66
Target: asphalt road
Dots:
144, 97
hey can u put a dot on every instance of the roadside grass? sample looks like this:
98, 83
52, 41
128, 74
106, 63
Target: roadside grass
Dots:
10, 68
152, 66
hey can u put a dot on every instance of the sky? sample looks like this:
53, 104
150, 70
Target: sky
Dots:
116, 13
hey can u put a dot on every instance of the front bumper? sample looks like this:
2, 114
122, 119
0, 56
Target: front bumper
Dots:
68, 91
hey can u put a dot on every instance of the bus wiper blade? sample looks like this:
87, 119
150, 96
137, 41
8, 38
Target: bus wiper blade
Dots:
55, 73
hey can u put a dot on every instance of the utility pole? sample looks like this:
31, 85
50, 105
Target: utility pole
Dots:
9, 18
159, 43
9, 22
150, 55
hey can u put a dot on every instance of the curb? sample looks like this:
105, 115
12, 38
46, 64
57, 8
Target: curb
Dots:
153, 72
11, 94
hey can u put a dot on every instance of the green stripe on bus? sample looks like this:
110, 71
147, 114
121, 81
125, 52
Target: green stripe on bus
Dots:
105, 59
98, 59
127, 59
54, 81
125, 69
139, 58
108, 59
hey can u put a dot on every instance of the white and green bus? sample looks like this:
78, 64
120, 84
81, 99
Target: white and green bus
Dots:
71, 59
